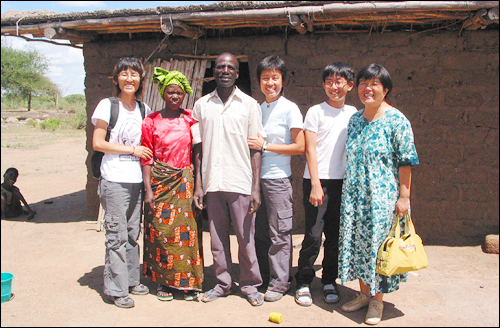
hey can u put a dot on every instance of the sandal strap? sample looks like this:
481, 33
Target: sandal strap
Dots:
257, 299
301, 293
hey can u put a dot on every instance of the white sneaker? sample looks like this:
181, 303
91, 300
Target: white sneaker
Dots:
303, 296
360, 301
374, 314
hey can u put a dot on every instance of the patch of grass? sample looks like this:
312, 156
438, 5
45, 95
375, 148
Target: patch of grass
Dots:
12, 146
26, 137
78, 121
51, 124
31, 123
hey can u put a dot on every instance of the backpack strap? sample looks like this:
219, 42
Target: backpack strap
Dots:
142, 108
115, 110
114, 115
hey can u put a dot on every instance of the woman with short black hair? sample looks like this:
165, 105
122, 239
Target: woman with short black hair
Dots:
283, 124
120, 186
380, 153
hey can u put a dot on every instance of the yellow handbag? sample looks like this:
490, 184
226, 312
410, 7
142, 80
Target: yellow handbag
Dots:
399, 254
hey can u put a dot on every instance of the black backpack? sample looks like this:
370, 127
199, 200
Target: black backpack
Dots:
97, 155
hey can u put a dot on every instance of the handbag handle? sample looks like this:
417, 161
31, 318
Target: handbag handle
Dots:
409, 225
396, 226
394, 233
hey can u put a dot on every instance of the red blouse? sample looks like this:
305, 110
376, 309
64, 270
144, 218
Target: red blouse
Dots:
169, 138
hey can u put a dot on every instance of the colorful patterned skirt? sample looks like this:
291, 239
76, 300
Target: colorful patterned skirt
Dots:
172, 234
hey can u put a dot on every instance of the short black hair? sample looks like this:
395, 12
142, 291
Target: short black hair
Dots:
227, 53
340, 69
272, 62
124, 64
11, 169
375, 71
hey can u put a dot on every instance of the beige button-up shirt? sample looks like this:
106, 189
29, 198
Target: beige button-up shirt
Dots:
223, 131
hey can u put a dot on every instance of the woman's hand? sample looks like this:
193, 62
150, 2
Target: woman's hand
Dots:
317, 194
142, 152
255, 143
402, 206
149, 200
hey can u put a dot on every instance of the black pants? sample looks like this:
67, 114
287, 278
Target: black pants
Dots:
322, 219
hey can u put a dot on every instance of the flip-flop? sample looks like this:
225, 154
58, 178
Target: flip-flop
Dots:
211, 296
165, 290
256, 300
191, 295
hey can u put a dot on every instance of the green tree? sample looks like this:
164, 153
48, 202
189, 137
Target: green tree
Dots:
49, 88
22, 73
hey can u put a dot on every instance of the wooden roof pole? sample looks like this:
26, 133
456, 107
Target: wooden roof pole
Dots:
270, 12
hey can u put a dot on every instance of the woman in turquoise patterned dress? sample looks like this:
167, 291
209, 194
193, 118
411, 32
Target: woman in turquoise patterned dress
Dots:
380, 153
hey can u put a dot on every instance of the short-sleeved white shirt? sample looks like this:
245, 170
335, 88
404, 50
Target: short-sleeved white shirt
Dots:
224, 129
122, 168
330, 124
278, 118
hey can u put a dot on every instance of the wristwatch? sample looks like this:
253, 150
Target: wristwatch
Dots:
264, 146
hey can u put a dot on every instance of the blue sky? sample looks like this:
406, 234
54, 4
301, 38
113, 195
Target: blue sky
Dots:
66, 63
68, 6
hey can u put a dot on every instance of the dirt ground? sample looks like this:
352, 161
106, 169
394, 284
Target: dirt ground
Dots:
57, 260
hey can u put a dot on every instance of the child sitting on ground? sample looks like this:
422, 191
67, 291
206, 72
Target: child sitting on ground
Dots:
12, 197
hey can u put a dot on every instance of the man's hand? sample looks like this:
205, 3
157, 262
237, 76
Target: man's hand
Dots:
198, 198
254, 202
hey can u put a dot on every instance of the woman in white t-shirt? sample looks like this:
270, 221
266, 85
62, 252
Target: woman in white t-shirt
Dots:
283, 125
121, 185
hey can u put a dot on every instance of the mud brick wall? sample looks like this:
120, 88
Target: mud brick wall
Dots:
447, 86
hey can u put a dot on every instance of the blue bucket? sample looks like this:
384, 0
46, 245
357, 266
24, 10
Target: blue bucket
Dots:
7, 287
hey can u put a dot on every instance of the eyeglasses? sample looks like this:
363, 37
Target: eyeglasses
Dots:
369, 83
338, 83
126, 74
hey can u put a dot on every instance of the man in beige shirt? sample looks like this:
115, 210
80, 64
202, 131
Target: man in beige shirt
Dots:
228, 175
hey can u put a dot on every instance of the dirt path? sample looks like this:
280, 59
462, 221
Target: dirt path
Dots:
57, 260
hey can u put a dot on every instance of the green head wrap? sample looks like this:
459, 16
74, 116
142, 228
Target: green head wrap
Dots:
165, 78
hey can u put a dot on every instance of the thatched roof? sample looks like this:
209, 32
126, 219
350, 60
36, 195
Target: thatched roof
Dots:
303, 16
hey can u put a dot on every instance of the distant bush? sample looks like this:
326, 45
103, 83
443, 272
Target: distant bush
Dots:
78, 121
31, 123
71, 103
75, 99
12, 102
51, 124
78, 105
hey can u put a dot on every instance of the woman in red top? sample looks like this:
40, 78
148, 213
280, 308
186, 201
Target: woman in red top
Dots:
172, 254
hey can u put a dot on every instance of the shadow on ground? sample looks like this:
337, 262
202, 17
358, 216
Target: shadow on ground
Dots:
61, 209
95, 281
347, 294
